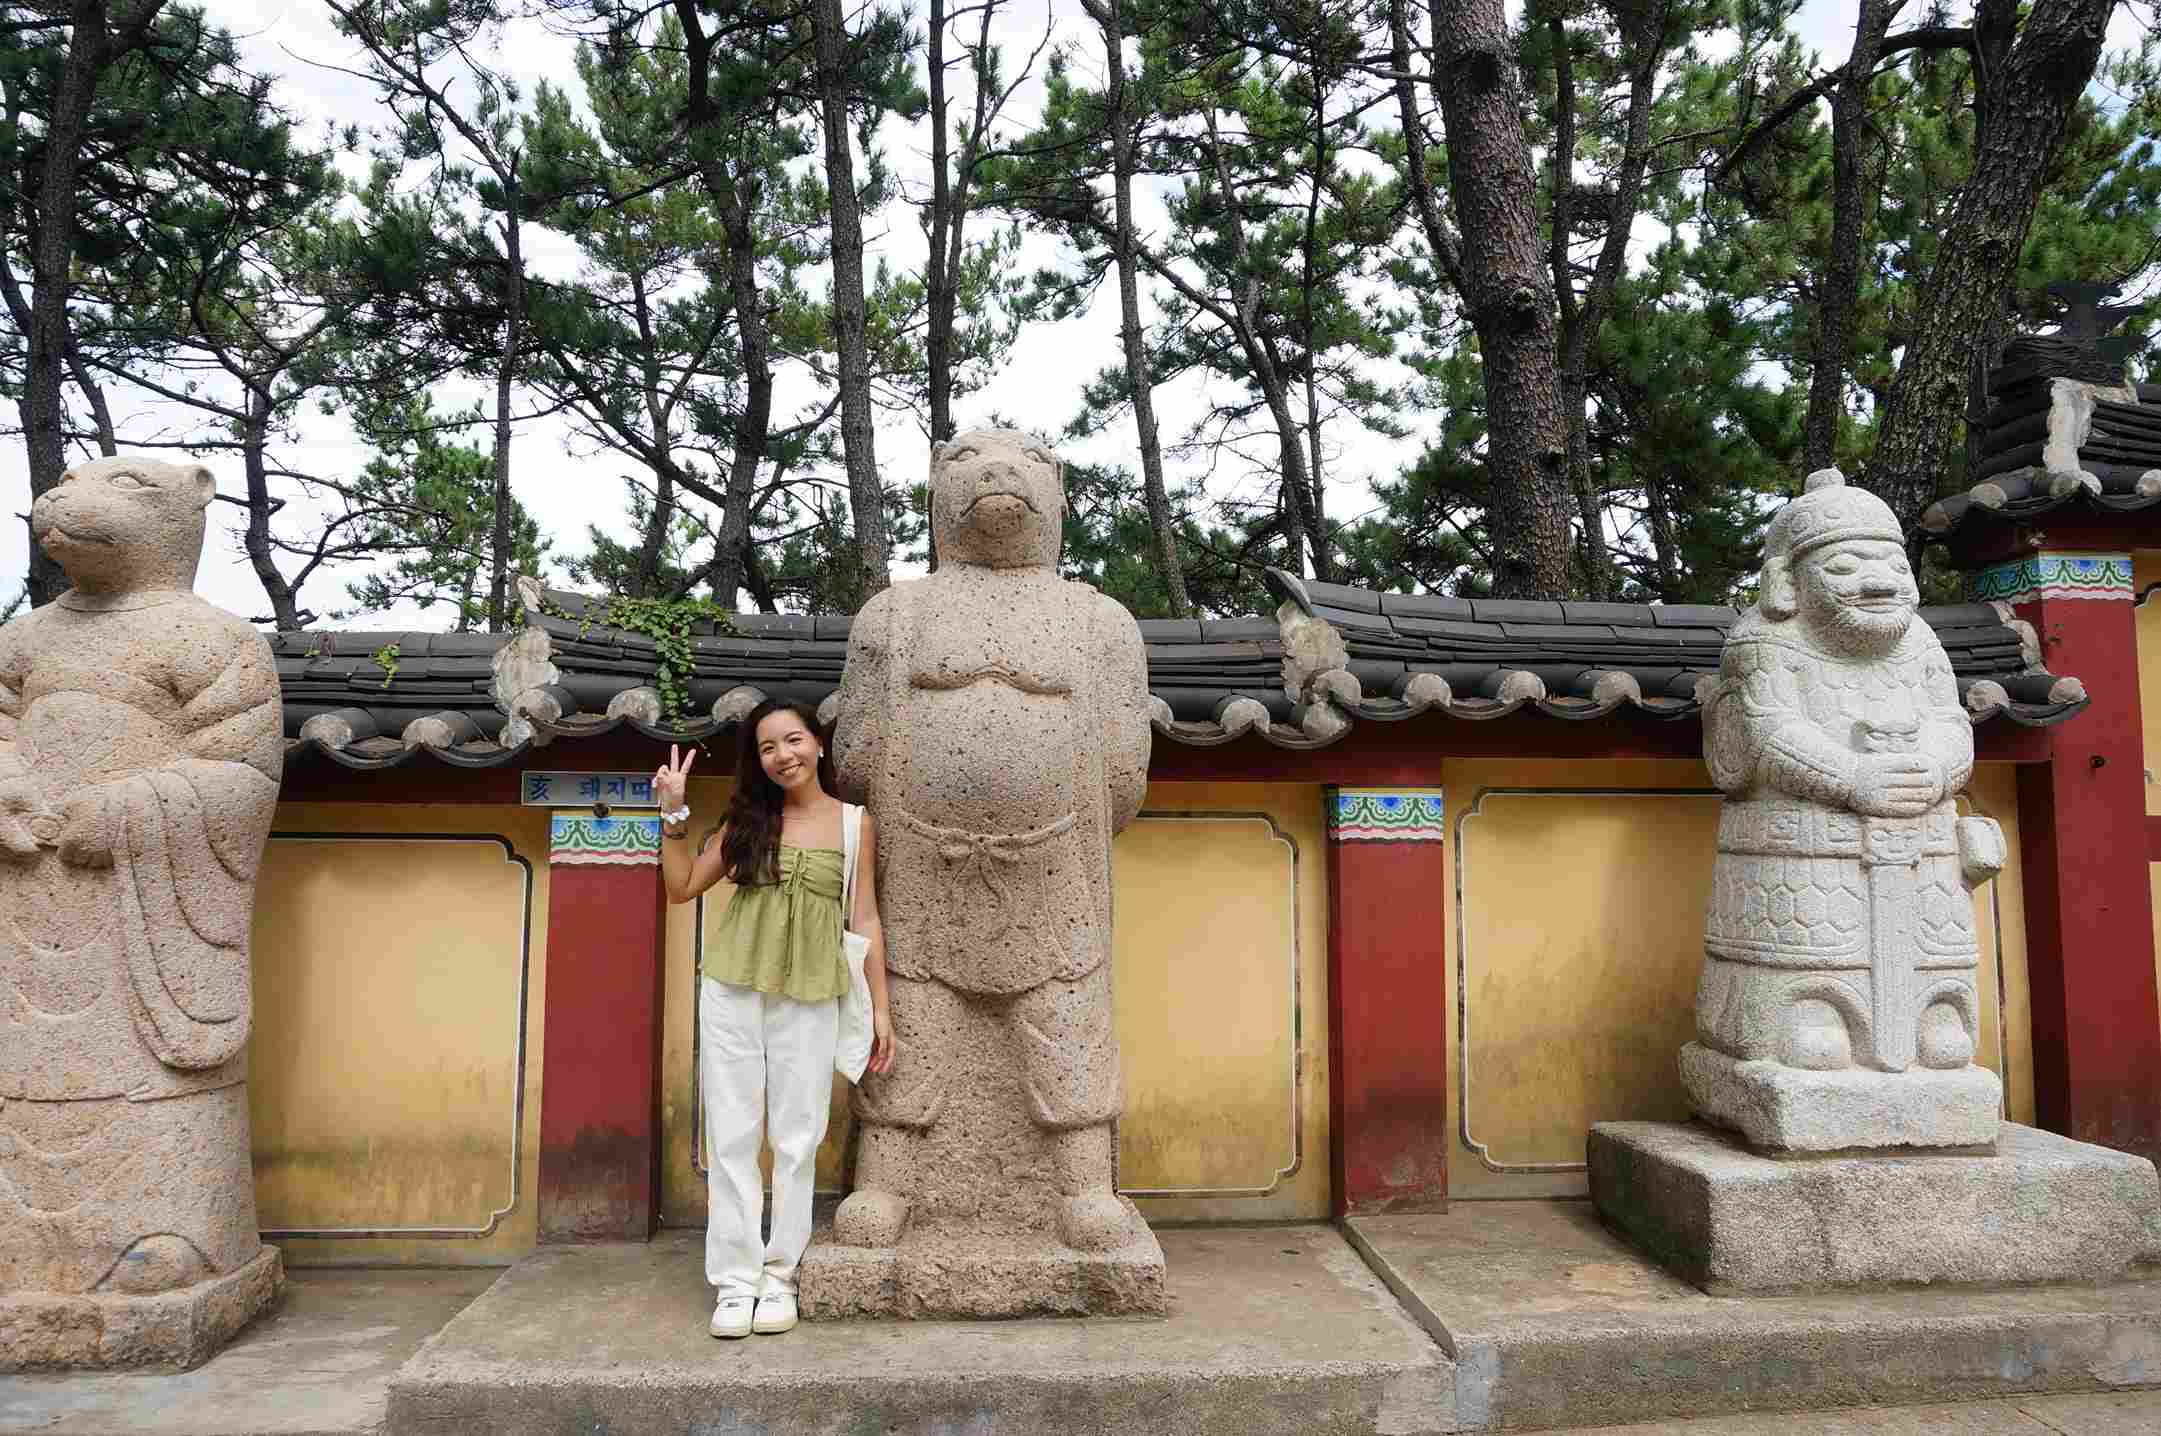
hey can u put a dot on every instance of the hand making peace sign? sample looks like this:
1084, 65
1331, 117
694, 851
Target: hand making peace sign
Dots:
671, 780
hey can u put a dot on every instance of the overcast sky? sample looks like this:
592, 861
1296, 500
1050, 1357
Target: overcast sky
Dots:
568, 490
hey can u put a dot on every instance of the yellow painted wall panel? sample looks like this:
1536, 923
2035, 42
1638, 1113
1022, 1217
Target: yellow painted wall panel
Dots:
1582, 917
385, 1065
1219, 1091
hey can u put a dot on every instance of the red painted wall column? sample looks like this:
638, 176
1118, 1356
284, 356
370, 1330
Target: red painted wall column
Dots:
1387, 1000
600, 1064
2082, 824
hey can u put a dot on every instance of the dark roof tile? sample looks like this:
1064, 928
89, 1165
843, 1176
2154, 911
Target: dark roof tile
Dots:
1516, 610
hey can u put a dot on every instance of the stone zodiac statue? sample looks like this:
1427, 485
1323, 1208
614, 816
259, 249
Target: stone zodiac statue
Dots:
995, 717
1837, 1007
140, 748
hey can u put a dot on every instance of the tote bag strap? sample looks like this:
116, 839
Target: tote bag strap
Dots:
851, 823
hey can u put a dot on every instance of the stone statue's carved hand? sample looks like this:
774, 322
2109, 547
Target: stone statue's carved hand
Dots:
1895, 785
86, 838
23, 812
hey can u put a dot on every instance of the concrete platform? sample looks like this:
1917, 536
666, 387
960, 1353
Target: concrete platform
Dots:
319, 1364
2037, 1208
1270, 1330
1554, 1321
1517, 1315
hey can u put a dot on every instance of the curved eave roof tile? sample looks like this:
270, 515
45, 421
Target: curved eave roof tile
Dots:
2119, 459
2029, 493
486, 701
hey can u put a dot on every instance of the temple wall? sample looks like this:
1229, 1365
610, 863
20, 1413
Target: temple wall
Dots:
396, 945
1574, 947
395, 1067
1221, 954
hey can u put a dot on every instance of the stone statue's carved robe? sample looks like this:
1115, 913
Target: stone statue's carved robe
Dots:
1001, 754
1813, 902
124, 989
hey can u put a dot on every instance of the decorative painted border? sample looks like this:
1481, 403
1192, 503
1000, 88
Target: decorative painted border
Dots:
582, 839
1463, 972
2053, 575
517, 1105
1374, 815
1298, 1018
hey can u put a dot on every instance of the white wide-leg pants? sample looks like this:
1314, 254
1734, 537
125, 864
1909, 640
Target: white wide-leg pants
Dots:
765, 1067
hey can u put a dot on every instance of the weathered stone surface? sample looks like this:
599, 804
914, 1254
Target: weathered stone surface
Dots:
318, 1364
1840, 938
41, 1331
967, 1274
140, 747
1277, 1331
994, 718
1556, 1322
1791, 1109
2043, 1208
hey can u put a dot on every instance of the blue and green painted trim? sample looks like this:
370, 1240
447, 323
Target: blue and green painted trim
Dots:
1374, 815
620, 842
2053, 575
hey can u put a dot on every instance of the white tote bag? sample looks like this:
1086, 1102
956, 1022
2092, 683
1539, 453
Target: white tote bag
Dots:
851, 1052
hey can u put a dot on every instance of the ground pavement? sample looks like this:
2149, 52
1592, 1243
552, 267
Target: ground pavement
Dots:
1518, 1315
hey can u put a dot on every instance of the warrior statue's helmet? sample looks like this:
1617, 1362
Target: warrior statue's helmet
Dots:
1828, 511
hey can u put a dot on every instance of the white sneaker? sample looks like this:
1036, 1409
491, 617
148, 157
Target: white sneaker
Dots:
776, 1313
731, 1317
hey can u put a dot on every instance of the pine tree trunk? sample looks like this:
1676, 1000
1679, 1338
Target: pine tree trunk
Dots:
1508, 294
262, 557
1109, 16
866, 496
1580, 320
1306, 531
2026, 105
938, 276
736, 198
91, 49
1840, 283
499, 539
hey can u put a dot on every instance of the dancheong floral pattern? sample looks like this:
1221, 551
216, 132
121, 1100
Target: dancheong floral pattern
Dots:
580, 838
2054, 575
1364, 815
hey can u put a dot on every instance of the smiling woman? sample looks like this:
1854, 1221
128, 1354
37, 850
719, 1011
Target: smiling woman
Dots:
775, 985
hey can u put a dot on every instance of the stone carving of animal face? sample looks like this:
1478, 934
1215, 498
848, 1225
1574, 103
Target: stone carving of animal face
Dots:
1857, 597
118, 525
997, 498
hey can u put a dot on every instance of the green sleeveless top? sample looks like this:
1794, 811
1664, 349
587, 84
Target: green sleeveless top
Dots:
783, 937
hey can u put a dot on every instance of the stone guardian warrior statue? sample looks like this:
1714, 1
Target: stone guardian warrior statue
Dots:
1837, 1006
140, 750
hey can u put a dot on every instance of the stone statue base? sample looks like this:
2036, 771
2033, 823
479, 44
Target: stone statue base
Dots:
982, 1236
1786, 1109
173, 1330
962, 1275
2041, 1208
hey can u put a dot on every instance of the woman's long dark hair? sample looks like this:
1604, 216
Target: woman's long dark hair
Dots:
750, 849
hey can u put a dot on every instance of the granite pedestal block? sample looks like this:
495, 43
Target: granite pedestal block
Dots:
174, 1330
957, 1274
2042, 1208
1787, 1109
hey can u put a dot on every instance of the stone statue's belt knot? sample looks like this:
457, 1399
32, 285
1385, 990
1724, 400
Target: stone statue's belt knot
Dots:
981, 853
